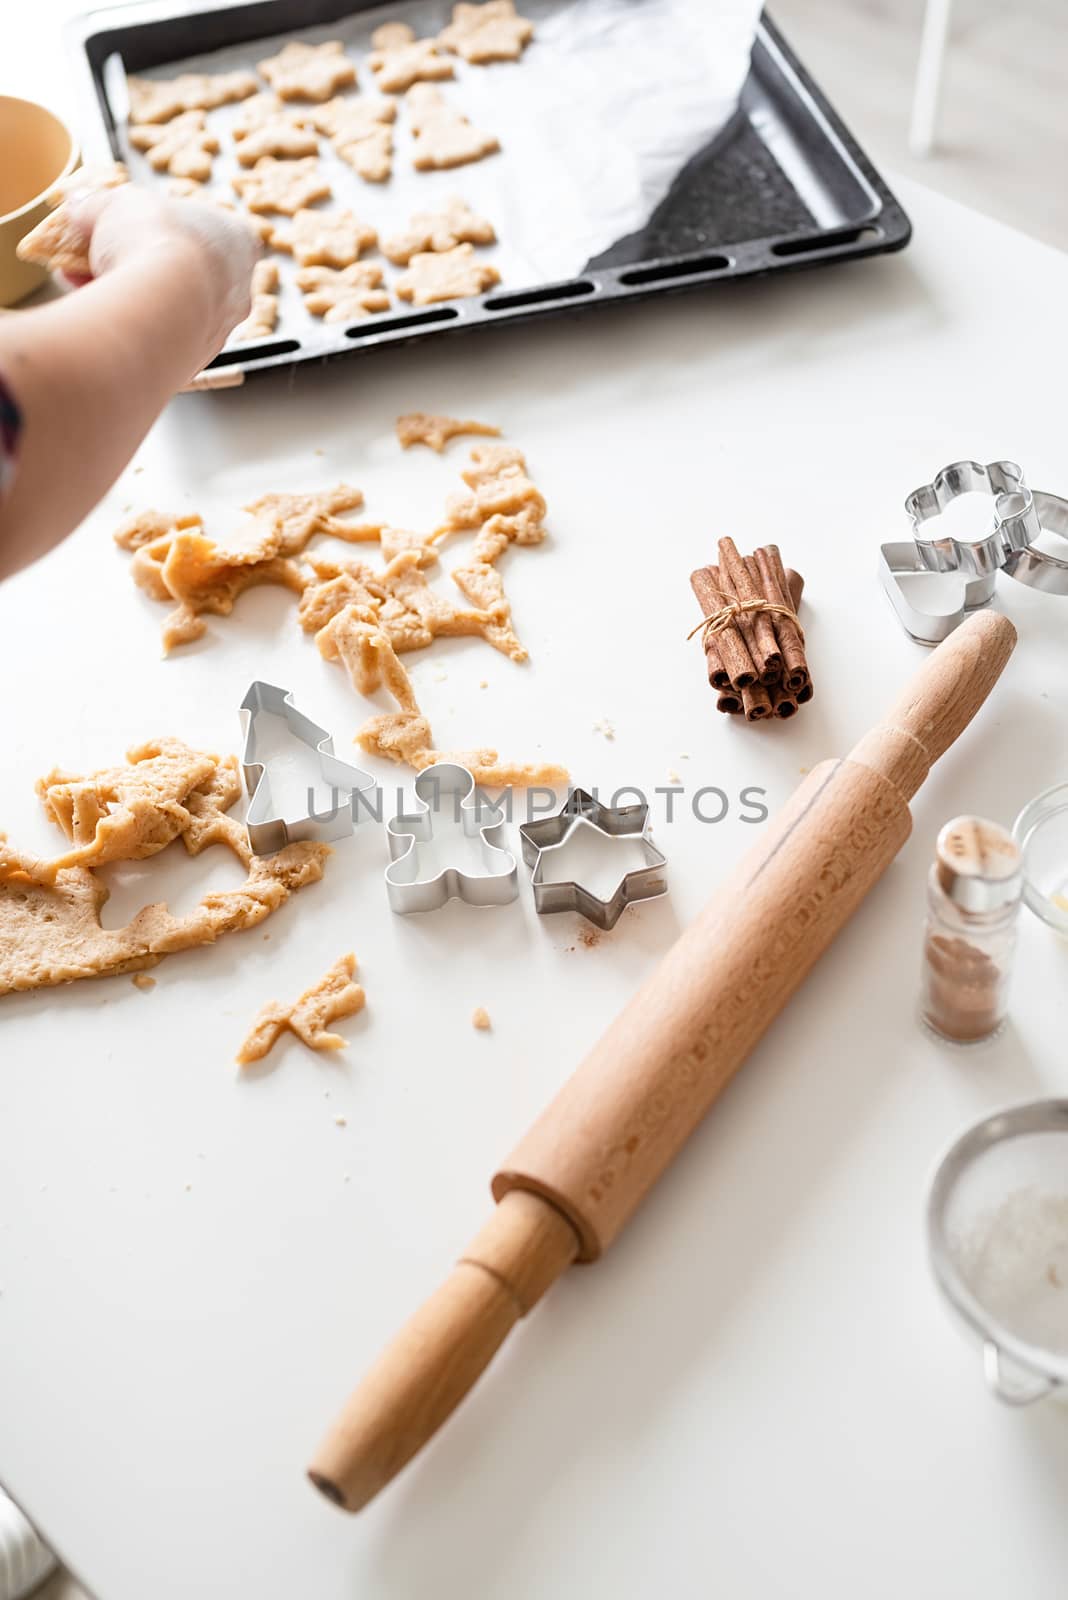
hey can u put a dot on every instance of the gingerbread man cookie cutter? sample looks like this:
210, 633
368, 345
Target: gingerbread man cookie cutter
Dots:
1015, 522
268, 831
408, 890
541, 839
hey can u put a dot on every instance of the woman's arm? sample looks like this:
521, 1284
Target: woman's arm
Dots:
89, 373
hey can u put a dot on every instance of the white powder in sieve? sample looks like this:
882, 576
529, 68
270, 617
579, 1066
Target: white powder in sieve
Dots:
1015, 1262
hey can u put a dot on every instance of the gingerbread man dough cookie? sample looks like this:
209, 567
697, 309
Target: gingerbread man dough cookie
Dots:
443, 135
285, 186
345, 295
280, 138
446, 275
263, 317
360, 133
309, 71
454, 224
160, 99
485, 33
182, 147
400, 59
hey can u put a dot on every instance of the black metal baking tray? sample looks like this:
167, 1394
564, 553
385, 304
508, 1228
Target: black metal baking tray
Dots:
783, 186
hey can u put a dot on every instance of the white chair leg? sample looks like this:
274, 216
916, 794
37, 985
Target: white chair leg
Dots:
928, 86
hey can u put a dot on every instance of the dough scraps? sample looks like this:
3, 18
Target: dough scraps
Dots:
148, 526
57, 242
483, 586
435, 431
334, 996
161, 99
182, 147
450, 275
454, 224
263, 314
325, 238
443, 136
502, 493
398, 65
485, 33
286, 186
205, 579
343, 295
50, 929
282, 138
308, 71
295, 519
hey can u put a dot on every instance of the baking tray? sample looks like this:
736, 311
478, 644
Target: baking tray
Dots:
782, 186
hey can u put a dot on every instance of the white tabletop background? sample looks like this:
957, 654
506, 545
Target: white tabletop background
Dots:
757, 1392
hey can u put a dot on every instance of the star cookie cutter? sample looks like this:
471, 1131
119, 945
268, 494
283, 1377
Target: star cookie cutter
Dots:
267, 831
1016, 524
407, 891
580, 809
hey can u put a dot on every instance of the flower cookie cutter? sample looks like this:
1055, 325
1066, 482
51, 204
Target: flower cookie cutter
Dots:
269, 832
408, 891
580, 809
1015, 522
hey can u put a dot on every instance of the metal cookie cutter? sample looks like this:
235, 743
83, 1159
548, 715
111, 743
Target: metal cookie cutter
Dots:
929, 604
1015, 519
1036, 567
267, 831
540, 839
406, 889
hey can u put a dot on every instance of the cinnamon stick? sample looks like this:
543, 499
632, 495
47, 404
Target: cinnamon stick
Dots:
775, 585
757, 631
757, 702
783, 703
729, 701
728, 648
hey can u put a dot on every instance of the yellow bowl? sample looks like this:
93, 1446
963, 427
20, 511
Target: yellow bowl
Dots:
37, 151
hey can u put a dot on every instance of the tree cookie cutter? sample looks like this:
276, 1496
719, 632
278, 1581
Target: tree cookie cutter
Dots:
267, 831
540, 839
407, 890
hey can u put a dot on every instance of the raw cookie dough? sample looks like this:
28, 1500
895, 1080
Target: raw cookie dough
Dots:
147, 526
484, 587
286, 186
281, 138
343, 296
334, 996
398, 65
502, 493
443, 136
480, 1018
423, 427
485, 33
325, 238
56, 243
440, 230
263, 316
308, 71
182, 147
160, 99
446, 275
50, 929
204, 579
391, 35
263, 109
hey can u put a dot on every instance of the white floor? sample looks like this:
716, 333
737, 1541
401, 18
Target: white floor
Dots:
1003, 144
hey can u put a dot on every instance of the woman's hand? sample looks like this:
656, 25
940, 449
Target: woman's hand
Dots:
130, 229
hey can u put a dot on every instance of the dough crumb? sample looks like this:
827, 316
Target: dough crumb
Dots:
342, 1122
480, 1018
605, 728
141, 980
483, 683
673, 776
422, 427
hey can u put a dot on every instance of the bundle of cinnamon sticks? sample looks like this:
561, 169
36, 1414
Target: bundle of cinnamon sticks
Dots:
754, 646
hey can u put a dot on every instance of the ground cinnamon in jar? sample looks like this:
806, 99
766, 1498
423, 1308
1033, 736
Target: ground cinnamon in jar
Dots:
973, 897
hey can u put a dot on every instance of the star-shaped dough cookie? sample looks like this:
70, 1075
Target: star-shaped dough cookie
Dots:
406, 60
485, 33
446, 275
454, 224
325, 238
183, 146
443, 135
160, 99
280, 138
308, 71
285, 186
343, 296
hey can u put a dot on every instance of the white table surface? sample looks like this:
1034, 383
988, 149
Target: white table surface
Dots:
757, 1392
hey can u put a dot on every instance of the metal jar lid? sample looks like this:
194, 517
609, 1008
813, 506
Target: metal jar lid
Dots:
978, 864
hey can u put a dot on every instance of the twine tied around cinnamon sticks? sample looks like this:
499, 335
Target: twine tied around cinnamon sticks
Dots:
754, 644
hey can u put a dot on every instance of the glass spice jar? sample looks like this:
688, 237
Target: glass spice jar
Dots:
973, 897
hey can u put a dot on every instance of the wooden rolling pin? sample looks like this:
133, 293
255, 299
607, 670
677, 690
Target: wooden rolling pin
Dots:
614, 1127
